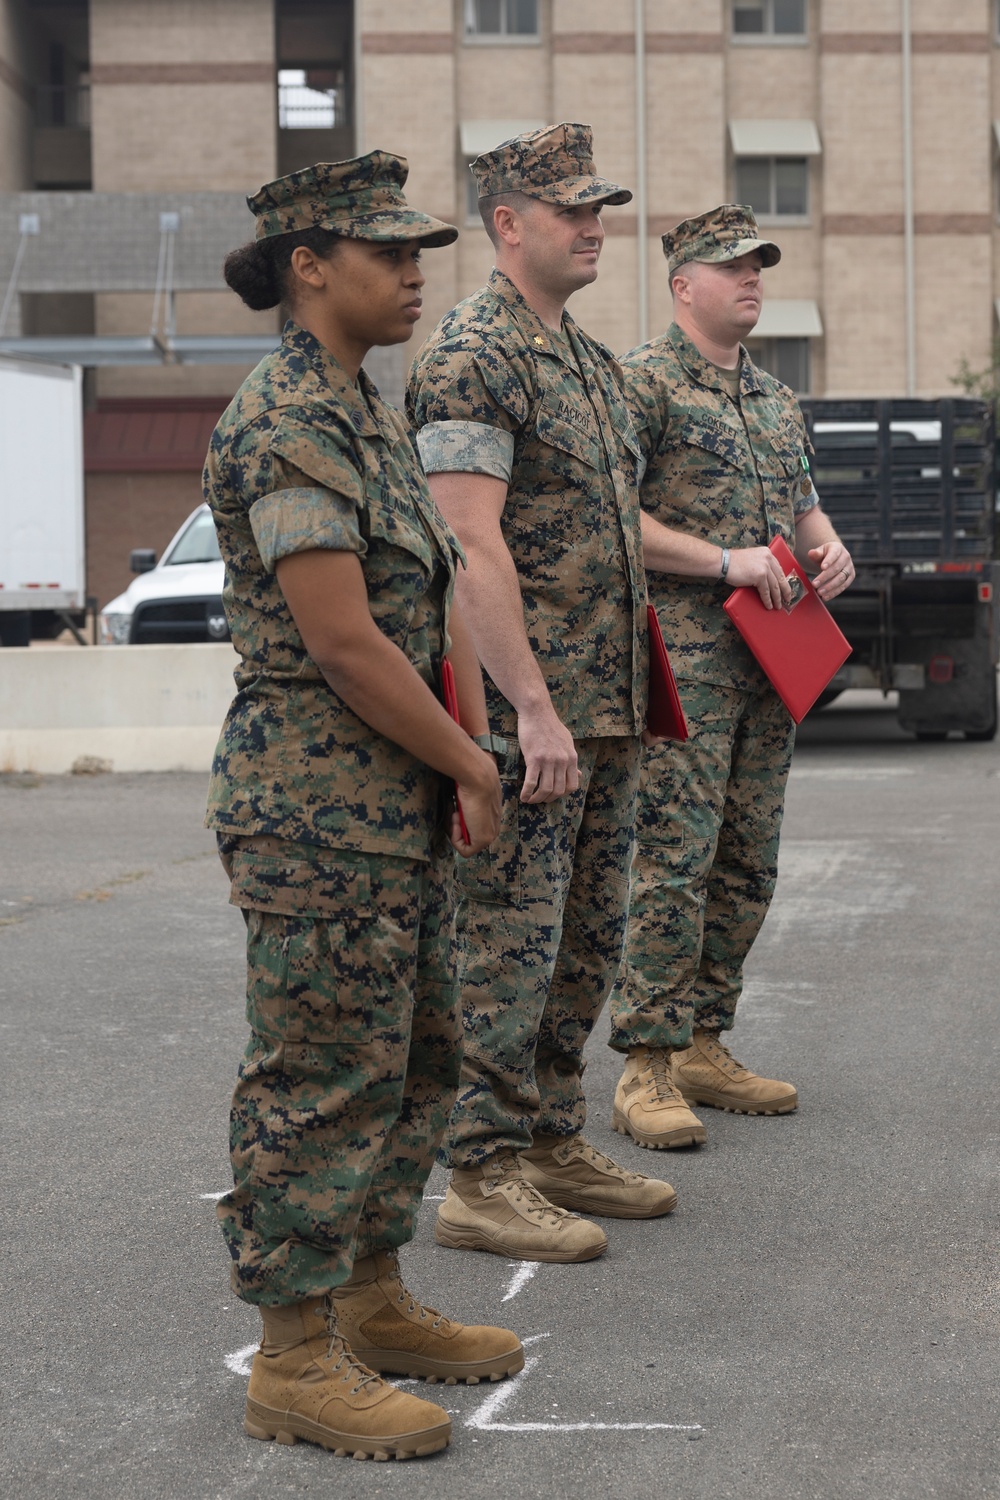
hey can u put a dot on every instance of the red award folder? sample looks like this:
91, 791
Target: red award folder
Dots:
664, 716
450, 694
800, 646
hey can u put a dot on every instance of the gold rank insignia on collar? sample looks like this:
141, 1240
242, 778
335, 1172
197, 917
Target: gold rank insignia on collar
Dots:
539, 340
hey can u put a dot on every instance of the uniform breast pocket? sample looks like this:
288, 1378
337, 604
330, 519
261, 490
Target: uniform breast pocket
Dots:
401, 530
560, 425
707, 461
780, 458
399, 568
309, 929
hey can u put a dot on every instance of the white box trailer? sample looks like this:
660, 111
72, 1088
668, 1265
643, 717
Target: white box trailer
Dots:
41, 487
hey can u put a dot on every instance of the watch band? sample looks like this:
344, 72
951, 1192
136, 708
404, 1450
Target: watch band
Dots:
494, 743
725, 565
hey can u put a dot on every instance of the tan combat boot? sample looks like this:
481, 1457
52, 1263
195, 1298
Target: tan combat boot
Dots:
707, 1073
394, 1333
305, 1383
650, 1107
495, 1208
571, 1173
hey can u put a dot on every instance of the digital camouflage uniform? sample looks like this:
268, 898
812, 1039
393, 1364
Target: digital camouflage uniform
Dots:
710, 807
331, 833
542, 912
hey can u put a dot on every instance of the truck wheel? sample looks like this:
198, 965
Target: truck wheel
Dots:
990, 694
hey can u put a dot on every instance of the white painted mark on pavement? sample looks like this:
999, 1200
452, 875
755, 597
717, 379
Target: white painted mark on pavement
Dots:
768, 999
484, 1418
849, 773
834, 885
241, 1361
523, 1274
213, 1196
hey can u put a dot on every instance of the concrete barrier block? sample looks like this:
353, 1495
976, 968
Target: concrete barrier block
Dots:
139, 708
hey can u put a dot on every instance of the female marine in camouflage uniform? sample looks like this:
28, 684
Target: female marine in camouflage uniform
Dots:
328, 797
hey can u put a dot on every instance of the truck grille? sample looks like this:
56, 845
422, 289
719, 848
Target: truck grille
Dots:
176, 621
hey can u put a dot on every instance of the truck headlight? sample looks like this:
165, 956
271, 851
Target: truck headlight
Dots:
114, 629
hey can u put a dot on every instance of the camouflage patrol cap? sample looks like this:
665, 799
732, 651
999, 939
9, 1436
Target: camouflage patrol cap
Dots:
361, 199
722, 234
555, 164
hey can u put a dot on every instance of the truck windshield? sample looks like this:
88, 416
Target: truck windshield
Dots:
199, 544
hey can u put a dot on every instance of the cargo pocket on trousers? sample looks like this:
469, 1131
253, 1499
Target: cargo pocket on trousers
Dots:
308, 928
660, 833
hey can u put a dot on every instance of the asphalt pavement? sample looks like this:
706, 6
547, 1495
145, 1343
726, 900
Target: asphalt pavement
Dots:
818, 1320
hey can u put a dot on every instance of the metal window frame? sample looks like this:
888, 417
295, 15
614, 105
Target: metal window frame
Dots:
769, 342
769, 37
772, 215
504, 37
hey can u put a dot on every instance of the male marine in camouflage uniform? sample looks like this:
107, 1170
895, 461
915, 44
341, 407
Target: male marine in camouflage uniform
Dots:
526, 440
726, 472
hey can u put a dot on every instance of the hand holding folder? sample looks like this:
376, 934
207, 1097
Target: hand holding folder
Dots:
800, 646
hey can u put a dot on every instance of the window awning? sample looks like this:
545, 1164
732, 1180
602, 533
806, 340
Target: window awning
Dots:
85, 349
132, 434
220, 349
99, 351
478, 136
791, 318
774, 138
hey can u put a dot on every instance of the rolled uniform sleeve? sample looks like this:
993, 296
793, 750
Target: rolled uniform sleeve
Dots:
466, 448
302, 516
313, 494
467, 411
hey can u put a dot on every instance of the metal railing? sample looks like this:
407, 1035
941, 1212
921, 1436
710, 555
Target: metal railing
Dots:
307, 102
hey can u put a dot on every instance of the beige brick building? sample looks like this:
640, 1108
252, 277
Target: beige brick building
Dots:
130, 131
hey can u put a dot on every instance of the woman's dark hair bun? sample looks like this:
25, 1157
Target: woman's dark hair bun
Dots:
251, 273
260, 272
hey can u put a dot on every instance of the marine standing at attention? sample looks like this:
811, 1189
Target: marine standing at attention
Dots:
525, 437
329, 796
726, 472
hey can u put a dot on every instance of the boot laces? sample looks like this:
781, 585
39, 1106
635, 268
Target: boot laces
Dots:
720, 1055
412, 1304
602, 1163
533, 1203
664, 1088
345, 1358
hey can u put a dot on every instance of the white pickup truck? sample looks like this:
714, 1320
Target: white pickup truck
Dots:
174, 600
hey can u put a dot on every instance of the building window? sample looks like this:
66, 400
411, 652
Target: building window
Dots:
311, 98
501, 20
776, 187
769, 18
786, 359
